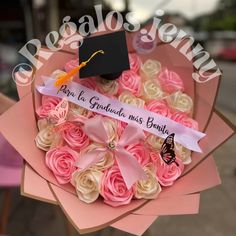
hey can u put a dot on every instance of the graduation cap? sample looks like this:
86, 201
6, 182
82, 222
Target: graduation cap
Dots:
112, 63
103, 55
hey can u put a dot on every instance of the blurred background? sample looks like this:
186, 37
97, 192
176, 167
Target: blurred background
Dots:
211, 22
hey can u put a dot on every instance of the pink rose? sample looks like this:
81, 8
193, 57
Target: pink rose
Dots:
48, 104
154, 157
70, 65
121, 127
167, 174
134, 62
183, 119
75, 137
113, 188
90, 83
159, 107
130, 81
61, 161
170, 81
139, 152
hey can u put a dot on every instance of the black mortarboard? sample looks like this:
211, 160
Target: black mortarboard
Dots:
109, 65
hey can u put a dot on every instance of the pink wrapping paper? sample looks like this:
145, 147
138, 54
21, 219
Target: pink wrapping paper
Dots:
43, 193
172, 202
134, 224
176, 206
40, 190
18, 125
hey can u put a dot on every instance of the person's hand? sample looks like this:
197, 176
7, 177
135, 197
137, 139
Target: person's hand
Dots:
5, 103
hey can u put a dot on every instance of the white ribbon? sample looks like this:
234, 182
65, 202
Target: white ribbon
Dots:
151, 122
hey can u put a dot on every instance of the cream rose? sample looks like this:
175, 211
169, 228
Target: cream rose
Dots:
111, 128
87, 184
75, 109
183, 154
42, 123
109, 87
152, 90
106, 161
154, 142
180, 101
57, 74
149, 188
45, 138
128, 98
150, 69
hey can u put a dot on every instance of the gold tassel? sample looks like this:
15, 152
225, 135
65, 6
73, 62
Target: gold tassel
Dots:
63, 79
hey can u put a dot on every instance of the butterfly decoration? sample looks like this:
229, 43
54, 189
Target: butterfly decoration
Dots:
60, 118
167, 150
58, 115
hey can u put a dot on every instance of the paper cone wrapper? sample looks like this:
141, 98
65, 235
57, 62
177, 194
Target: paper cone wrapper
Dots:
18, 125
172, 202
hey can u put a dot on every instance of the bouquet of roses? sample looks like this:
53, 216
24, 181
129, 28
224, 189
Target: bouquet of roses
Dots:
93, 145
88, 150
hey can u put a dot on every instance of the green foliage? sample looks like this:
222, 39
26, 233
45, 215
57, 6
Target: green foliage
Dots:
227, 22
224, 18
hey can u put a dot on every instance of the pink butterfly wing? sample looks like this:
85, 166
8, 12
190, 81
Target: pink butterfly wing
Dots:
59, 114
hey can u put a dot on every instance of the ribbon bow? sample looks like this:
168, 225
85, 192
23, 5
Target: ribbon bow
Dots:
130, 169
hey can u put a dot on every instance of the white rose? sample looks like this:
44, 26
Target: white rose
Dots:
106, 161
111, 128
154, 142
42, 124
180, 101
45, 138
183, 154
57, 74
149, 188
75, 109
128, 98
87, 184
108, 86
152, 90
150, 69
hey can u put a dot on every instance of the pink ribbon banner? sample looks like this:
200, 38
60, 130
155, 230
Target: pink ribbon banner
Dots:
149, 121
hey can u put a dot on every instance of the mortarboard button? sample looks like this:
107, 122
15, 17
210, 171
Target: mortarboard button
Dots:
112, 63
